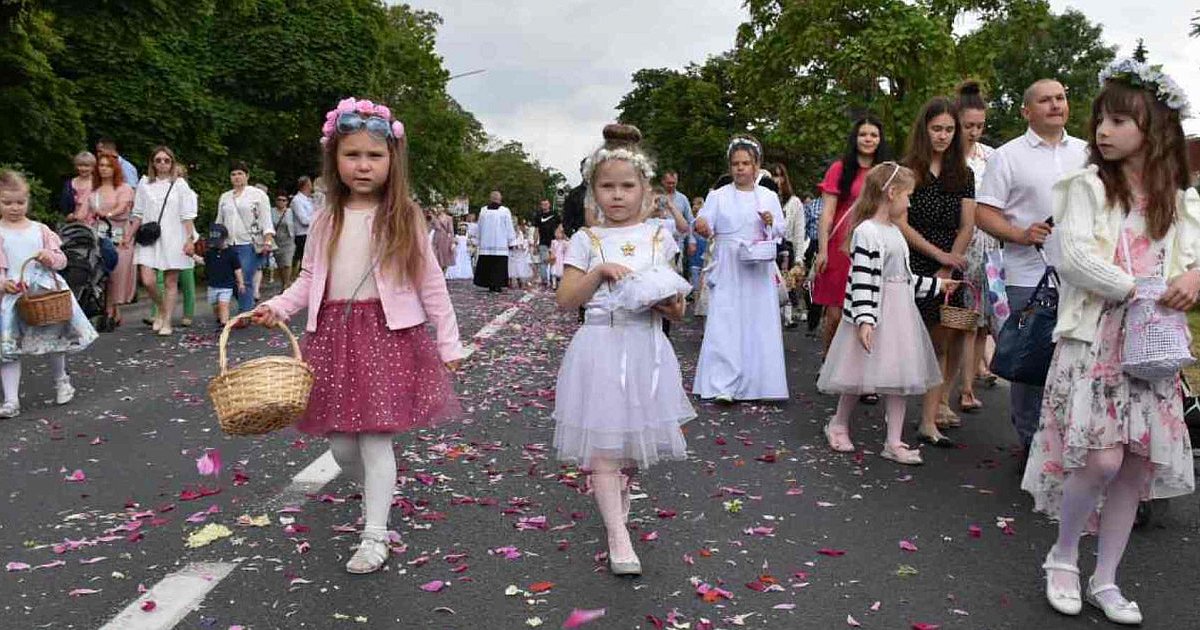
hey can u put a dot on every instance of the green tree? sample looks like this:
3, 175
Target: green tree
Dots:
520, 178
1140, 54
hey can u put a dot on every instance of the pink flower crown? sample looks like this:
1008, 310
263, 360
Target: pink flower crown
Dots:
364, 110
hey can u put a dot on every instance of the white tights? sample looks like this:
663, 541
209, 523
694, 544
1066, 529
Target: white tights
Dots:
10, 375
894, 410
607, 483
1118, 476
369, 459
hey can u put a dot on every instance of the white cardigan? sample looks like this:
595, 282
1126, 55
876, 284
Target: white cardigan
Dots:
1089, 229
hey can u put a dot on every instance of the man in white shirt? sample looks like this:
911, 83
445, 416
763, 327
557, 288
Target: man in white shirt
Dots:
496, 234
1014, 203
302, 215
670, 180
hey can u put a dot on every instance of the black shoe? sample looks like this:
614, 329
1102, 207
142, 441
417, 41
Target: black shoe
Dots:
869, 399
940, 442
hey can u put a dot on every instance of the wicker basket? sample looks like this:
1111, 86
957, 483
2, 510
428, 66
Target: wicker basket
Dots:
261, 395
960, 318
45, 309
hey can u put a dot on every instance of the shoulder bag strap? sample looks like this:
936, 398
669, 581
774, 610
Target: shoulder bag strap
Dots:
164, 203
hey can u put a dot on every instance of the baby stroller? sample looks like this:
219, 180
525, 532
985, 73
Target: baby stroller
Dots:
90, 260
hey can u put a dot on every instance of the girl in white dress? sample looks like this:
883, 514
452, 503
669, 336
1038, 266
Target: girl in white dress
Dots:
620, 399
20, 241
741, 357
882, 346
520, 268
461, 269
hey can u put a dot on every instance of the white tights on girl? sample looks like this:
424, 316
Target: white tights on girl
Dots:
609, 488
1120, 477
368, 458
10, 379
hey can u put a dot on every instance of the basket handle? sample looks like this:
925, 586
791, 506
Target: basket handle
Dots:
21, 275
971, 285
222, 356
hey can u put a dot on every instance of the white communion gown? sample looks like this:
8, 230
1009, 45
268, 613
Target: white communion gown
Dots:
461, 269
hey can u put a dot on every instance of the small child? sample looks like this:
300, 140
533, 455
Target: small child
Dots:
881, 346
20, 240
520, 269
619, 400
370, 281
224, 272
558, 251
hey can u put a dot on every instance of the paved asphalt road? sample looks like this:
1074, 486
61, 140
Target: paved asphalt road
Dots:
816, 543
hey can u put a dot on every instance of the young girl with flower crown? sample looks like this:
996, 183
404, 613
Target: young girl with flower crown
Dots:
620, 398
370, 281
23, 240
881, 347
1129, 231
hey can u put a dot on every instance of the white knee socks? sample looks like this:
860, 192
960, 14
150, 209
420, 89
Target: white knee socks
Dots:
895, 419
58, 366
369, 458
1117, 516
10, 379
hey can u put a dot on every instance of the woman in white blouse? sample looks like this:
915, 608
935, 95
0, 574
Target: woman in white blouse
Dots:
164, 198
245, 211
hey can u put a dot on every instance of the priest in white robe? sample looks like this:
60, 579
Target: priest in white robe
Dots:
496, 235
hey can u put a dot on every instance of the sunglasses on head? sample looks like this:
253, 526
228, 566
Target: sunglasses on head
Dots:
350, 122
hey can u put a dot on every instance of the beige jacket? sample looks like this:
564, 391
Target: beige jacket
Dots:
1089, 230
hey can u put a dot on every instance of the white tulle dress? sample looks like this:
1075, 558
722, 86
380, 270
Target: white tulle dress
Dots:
620, 392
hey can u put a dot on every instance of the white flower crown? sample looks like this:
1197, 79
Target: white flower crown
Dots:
638, 160
1151, 78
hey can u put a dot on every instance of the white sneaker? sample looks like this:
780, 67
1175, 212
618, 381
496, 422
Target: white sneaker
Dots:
10, 410
63, 391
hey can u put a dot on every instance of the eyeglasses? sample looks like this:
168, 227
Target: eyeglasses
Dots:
350, 122
163, 160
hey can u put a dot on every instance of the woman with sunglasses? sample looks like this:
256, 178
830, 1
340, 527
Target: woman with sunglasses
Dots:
164, 198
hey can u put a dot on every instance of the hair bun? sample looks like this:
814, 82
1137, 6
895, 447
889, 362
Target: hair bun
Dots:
618, 136
969, 87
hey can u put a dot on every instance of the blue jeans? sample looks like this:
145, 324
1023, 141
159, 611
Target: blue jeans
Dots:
250, 261
1025, 400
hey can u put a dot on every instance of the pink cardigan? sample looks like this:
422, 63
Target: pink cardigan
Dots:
51, 244
404, 305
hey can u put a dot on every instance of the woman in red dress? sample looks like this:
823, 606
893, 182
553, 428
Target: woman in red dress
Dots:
843, 181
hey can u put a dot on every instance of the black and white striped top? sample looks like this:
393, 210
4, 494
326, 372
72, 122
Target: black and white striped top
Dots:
878, 253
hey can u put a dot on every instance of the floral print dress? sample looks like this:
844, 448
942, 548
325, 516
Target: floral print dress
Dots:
1090, 404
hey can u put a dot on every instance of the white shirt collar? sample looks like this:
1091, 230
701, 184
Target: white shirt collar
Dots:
1035, 140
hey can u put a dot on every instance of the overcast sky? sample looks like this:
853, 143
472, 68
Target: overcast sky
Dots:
556, 69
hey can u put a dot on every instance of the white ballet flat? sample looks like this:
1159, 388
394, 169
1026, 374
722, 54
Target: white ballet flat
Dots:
627, 567
1065, 600
1126, 613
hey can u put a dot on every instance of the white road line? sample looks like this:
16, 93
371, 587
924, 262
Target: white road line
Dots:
174, 597
181, 592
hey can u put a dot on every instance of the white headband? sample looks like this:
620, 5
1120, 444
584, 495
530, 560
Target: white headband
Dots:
892, 176
740, 142
639, 162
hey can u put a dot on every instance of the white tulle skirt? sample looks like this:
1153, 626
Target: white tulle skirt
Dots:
620, 393
901, 361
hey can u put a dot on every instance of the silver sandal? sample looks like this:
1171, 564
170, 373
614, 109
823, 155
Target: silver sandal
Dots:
372, 553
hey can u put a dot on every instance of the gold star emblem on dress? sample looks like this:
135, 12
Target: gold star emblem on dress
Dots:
628, 248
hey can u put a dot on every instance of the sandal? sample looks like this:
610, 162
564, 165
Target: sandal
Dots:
902, 454
839, 442
938, 440
969, 403
947, 419
370, 556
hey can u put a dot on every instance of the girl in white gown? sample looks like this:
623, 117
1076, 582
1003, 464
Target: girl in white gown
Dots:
741, 357
620, 399
461, 269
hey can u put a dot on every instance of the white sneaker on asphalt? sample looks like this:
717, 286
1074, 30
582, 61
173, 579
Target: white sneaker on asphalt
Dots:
10, 410
63, 391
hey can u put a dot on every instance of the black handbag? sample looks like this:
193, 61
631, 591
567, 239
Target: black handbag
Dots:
148, 233
1025, 345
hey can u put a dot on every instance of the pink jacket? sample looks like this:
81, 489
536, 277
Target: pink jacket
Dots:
404, 305
51, 244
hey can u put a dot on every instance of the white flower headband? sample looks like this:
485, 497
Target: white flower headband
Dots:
639, 162
740, 142
1151, 78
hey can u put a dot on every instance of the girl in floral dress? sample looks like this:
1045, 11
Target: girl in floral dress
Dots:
1108, 439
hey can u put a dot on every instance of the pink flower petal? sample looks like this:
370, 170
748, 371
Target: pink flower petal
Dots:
907, 546
433, 587
209, 464
851, 621
75, 477
832, 553
17, 566
917, 625
578, 617
975, 531
82, 591
149, 605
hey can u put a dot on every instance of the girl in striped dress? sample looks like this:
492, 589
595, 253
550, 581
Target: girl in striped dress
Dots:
881, 347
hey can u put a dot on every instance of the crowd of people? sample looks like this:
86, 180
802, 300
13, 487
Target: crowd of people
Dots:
909, 269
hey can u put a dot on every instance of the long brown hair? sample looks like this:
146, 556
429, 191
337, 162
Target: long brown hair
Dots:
399, 223
953, 175
874, 192
1165, 169
118, 176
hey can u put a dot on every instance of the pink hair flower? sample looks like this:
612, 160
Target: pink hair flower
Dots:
328, 128
383, 112
347, 104
398, 129
365, 107
331, 115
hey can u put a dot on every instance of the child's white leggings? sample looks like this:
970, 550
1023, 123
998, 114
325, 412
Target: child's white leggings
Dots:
10, 375
369, 458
